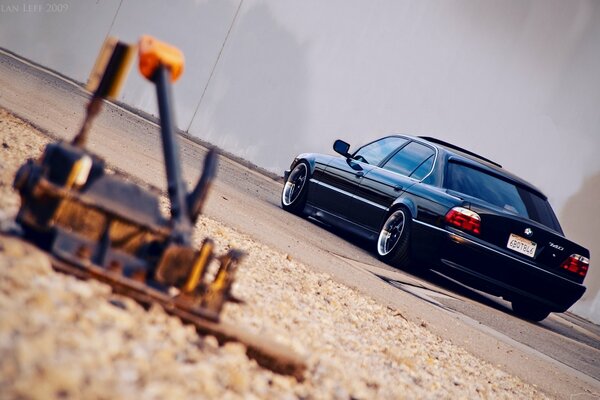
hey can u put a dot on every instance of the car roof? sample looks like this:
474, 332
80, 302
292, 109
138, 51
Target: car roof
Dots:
453, 152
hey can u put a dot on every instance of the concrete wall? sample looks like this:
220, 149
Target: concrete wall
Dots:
516, 80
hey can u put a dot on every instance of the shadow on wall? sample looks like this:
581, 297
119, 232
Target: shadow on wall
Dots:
576, 218
256, 104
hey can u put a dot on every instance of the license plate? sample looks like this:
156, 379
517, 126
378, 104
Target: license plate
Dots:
521, 245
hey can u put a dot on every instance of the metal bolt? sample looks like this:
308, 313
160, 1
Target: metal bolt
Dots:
84, 252
115, 266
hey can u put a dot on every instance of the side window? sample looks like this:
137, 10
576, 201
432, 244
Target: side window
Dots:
414, 160
374, 153
423, 169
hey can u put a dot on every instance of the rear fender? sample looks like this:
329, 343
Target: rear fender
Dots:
407, 203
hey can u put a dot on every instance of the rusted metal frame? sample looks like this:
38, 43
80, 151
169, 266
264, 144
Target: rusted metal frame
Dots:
129, 287
65, 194
198, 303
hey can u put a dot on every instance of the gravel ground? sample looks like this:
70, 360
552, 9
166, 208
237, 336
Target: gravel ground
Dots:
64, 338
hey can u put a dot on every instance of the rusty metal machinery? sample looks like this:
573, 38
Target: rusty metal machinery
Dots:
96, 224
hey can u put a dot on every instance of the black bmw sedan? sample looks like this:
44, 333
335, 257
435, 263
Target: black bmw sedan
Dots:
422, 201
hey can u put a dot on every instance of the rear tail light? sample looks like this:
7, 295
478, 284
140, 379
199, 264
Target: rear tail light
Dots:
464, 219
576, 264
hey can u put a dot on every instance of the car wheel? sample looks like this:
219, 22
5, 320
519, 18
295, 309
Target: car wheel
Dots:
295, 189
393, 243
529, 310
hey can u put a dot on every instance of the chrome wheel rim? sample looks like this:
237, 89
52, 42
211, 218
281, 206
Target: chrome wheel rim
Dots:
391, 233
294, 185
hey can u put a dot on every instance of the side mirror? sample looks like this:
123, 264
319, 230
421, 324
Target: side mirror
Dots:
341, 147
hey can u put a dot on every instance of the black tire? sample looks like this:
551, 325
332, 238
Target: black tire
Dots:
393, 242
295, 189
529, 310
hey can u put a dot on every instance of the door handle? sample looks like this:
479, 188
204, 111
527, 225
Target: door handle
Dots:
397, 188
359, 174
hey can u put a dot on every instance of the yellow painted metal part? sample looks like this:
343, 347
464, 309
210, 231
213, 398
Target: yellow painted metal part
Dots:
101, 62
219, 290
199, 267
153, 53
77, 178
106, 53
80, 172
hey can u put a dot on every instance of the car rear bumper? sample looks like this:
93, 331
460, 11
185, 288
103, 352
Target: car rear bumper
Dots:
508, 274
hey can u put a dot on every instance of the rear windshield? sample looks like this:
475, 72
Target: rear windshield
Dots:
504, 194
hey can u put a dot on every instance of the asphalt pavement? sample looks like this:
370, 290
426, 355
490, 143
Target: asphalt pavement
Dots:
561, 355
